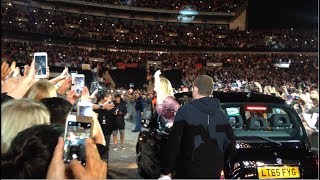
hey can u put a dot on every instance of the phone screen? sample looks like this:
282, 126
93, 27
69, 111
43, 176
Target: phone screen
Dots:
74, 143
21, 70
85, 110
234, 85
72, 77
79, 83
41, 66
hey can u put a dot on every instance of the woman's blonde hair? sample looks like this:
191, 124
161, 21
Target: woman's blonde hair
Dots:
41, 89
18, 115
267, 90
164, 89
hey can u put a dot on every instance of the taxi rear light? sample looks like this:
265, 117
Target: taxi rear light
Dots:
256, 108
315, 158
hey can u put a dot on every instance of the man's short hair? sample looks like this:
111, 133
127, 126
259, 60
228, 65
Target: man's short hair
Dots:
204, 83
59, 109
117, 96
314, 87
107, 94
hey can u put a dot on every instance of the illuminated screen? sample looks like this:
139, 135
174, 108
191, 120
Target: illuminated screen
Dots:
74, 147
233, 111
79, 83
187, 14
40, 63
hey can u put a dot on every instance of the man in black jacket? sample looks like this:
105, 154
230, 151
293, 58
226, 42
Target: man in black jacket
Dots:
201, 136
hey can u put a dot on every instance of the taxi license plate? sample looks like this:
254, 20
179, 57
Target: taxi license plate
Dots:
269, 172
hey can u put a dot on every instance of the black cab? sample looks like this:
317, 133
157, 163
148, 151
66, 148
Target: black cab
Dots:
271, 141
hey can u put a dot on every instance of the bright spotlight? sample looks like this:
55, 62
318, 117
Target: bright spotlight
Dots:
187, 14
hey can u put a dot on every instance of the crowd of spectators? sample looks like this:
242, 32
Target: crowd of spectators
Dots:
237, 70
304, 100
21, 160
35, 148
58, 55
234, 67
74, 56
202, 5
67, 25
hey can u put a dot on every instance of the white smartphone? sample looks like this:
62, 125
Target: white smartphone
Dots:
72, 75
41, 63
79, 82
77, 129
84, 108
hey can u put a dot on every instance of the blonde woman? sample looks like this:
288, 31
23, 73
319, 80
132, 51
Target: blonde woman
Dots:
18, 115
166, 105
41, 89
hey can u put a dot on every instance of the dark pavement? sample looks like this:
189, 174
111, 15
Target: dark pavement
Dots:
122, 162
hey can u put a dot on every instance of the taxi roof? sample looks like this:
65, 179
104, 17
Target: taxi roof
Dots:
236, 97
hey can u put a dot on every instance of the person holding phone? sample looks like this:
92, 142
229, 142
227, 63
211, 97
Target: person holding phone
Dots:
13, 111
105, 115
96, 168
30, 159
22, 160
41, 89
120, 110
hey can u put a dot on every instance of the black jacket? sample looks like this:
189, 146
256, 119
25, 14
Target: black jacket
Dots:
200, 141
139, 104
108, 116
121, 107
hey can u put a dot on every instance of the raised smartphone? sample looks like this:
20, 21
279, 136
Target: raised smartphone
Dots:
79, 83
77, 129
41, 63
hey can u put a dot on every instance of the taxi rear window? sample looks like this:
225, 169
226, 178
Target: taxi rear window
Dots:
275, 121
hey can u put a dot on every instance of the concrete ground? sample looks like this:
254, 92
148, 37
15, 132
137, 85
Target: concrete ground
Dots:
122, 162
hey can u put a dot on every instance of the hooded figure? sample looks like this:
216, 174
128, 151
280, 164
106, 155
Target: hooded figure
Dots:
201, 137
